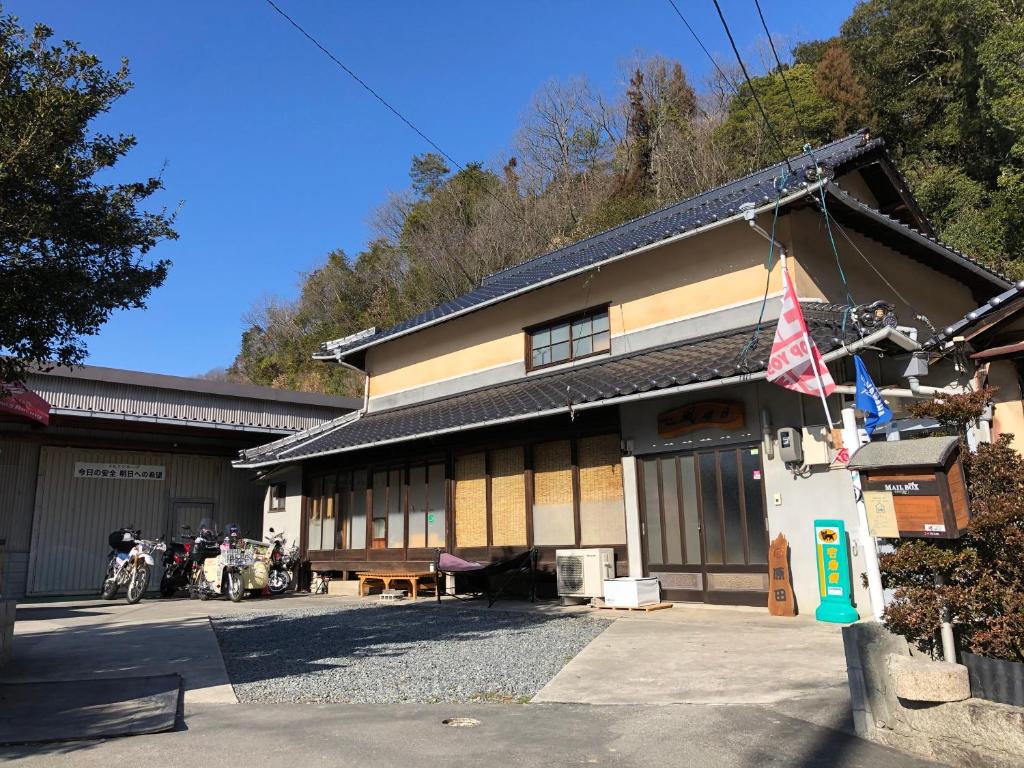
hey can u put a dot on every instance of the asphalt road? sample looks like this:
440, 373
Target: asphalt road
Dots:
521, 735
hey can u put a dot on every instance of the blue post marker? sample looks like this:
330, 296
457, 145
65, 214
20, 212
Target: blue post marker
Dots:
833, 573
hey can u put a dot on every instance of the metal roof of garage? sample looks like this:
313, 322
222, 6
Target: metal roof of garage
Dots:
113, 394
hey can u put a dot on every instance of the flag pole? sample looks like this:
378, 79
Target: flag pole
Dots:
810, 346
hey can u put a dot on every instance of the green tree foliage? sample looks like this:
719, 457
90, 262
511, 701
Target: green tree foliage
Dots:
71, 248
744, 131
427, 173
983, 572
943, 82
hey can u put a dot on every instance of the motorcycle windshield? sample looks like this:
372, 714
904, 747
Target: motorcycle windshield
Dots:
207, 528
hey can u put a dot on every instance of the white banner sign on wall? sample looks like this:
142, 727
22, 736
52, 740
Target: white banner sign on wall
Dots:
119, 471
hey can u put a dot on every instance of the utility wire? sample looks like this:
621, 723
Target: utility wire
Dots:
918, 313
746, 76
785, 80
751, 345
363, 83
400, 116
728, 80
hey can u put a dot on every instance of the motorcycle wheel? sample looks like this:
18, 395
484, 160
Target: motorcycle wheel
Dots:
235, 590
278, 582
137, 583
167, 586
109, 588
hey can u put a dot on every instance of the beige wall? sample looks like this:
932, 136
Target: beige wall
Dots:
1008, 413
854, 184
717, 269
692, 277
942, 299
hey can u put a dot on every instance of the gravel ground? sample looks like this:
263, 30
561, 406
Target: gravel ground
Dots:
384, 654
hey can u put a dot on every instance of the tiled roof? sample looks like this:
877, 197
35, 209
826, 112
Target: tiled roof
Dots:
982, 314
694, 213
699, 360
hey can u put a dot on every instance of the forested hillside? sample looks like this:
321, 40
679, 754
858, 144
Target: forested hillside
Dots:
940, 80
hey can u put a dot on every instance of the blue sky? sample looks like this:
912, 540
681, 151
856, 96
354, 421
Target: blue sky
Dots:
278, 158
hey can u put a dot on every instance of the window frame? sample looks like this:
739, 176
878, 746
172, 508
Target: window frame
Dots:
277, 501
568, 319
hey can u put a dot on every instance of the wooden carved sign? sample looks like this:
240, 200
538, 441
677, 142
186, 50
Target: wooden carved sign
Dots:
780, 586
723, 414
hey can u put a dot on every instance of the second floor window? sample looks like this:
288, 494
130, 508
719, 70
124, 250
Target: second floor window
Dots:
568, 338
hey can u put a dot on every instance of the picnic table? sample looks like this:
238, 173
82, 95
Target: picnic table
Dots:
386, 577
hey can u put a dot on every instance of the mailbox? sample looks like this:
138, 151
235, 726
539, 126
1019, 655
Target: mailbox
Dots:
926, 479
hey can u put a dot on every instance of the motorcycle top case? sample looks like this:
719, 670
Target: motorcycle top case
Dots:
122, 540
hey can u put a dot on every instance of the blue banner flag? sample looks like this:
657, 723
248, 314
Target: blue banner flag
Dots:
869, 400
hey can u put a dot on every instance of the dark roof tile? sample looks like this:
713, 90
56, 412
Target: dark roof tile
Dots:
720, 202
703, 359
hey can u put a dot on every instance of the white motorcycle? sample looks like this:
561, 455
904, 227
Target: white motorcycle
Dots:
131, 564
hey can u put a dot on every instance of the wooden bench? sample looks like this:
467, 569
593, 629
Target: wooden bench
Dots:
385, 578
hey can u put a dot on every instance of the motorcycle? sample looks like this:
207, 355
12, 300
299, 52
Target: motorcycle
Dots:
177, 564
204, 547
281, 564
225, 574
131, 563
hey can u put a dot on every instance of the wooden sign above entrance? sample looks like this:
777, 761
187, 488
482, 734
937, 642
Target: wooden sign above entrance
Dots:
721, 414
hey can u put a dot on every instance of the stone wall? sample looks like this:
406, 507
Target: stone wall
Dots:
968, 733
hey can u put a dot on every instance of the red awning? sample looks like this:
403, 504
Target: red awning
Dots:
18, 399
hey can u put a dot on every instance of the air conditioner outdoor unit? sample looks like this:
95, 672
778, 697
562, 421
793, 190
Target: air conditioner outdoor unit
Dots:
581, 572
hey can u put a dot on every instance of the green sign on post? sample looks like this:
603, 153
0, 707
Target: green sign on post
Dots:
833, 573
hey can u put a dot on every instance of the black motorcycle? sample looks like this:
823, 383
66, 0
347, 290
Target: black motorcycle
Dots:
177, 564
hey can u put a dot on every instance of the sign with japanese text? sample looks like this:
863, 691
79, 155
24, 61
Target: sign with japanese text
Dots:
85, 469
834, 585
881, 513
721, 414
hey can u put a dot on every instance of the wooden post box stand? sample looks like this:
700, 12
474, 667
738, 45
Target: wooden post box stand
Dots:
926, 479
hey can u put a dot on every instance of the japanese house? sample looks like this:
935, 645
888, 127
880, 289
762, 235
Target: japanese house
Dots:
611, 393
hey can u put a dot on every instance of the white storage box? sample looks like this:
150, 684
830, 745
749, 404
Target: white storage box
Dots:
632, 593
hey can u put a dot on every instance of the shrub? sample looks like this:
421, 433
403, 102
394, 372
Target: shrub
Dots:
983, 571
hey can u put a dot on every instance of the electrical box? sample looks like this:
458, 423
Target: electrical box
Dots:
791, 449
816, 446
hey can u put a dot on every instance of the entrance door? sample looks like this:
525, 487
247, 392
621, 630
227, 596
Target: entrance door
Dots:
704, 530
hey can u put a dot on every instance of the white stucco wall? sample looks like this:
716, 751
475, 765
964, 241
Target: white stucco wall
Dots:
289, 519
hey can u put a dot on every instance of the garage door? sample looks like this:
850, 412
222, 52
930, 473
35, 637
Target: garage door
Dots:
83, 495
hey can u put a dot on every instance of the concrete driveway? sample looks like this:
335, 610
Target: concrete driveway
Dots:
685, 687
692, 654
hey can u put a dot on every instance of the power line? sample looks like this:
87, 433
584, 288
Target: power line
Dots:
785, 81
400, 116
729, 81
363, 83
746, 76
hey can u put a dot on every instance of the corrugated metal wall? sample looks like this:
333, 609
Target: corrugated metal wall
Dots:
73, 516
18, 464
